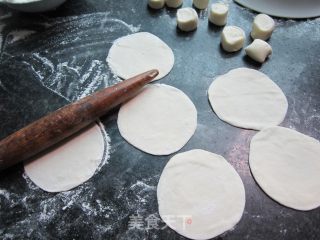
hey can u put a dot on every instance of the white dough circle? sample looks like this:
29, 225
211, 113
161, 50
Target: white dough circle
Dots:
138, 53
159, 121
200, 195
286, 165
247, 98
232, 38
187, 19
262, 27
69, 164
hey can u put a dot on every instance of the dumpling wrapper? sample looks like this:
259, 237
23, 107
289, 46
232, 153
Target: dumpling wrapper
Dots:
247, 98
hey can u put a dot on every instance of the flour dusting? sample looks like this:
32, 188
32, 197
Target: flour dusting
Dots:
18, 35
30, 184
107, 144
5, 194
67, 63
73, 66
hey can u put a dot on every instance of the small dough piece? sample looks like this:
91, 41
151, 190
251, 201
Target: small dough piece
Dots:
70, 163
259, 50
156, 4
219, 14
200, 195
201, 4
247, 98
286, 165
159, 121
174, 3
232, 38
262, 27
138, 53
187, 19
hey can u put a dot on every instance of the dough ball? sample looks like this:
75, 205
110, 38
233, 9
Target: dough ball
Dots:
187, 19
159, 121
259, 50
69, 164
200, 195
247, 98
218, 14
138, 53
262, 27
286, 165
174, 3
201, 4
232, 38
156, 4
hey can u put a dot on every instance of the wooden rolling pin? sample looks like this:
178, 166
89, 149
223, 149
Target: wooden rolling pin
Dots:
68, 120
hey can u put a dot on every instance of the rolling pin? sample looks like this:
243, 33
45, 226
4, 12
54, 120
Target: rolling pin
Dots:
66, 121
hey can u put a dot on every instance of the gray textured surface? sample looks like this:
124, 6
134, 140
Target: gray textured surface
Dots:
64, 59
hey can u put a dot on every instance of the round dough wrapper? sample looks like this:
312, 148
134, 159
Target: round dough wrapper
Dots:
69, 164
247, 98
200, 195
159, 121
286, 165
138, 53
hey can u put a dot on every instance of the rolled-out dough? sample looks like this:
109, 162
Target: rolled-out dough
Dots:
286, 165
247, 98
70, 163
200, 195
159, 121
138, 53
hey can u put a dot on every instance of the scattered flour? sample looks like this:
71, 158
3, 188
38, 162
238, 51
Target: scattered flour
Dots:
238, 152
57, 71
30, 184
73, 72
2, 26
44, 208
18, 35
5, 194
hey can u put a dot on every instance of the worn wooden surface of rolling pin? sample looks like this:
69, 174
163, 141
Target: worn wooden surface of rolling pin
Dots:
68, 120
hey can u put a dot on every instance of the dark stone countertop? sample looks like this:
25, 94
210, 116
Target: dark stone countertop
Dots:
63, 59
